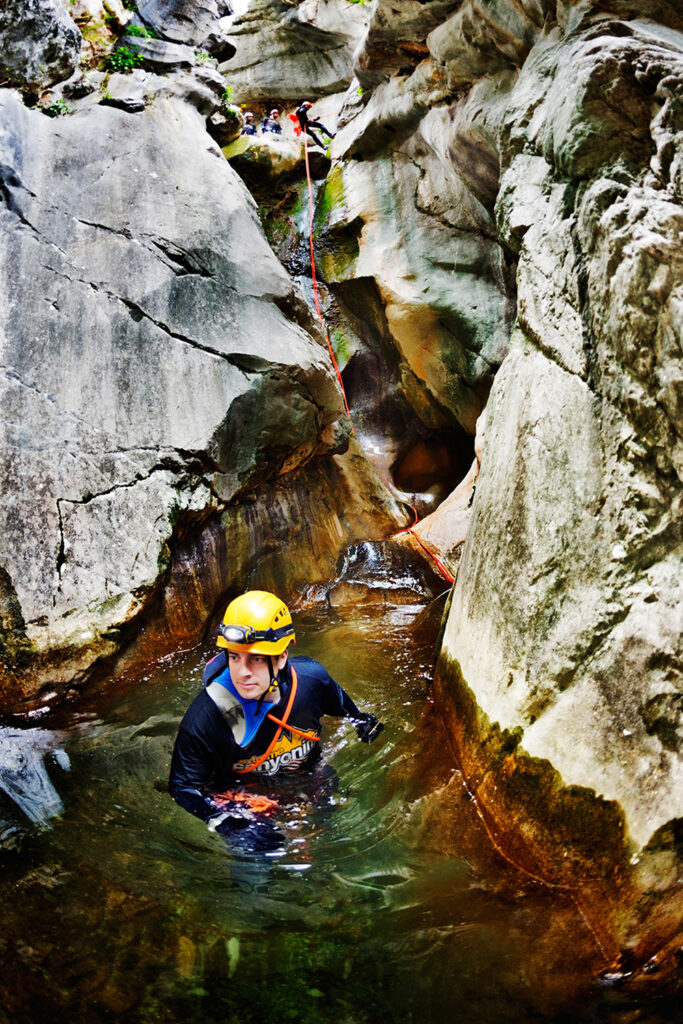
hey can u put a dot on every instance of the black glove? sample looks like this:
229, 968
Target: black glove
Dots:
367, 727
251, 834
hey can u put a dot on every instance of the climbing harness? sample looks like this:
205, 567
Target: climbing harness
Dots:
282, 726
255, 802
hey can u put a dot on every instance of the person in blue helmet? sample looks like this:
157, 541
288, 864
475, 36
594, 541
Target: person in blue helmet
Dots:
258, 717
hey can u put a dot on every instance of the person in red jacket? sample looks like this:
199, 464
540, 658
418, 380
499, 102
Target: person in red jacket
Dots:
258, 716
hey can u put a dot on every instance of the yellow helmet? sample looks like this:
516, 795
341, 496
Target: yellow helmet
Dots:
256, 622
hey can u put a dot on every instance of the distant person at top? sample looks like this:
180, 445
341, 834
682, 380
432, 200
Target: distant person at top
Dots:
271, 123
249, 126
306, 124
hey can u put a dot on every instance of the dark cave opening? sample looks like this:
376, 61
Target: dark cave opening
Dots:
435, 463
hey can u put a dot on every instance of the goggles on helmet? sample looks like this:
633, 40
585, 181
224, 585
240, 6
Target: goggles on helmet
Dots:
248, 635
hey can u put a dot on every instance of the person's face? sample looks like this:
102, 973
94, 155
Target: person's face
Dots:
250, 673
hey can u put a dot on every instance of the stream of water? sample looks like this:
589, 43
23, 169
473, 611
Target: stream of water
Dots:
389, 904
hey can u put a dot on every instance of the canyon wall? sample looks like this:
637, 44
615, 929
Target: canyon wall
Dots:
158, 364
500, 228
497, 231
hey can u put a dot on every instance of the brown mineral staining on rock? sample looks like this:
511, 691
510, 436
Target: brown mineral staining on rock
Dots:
499, 229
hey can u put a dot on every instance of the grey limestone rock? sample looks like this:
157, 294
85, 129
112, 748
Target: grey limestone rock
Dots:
143, 335
566, 617
293, 52
39, 43
183, 21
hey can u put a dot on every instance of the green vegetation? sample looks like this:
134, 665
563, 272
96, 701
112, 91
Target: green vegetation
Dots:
202, 57
226, 99
124, 59
333, 195
137, 30
341, 347
57, 109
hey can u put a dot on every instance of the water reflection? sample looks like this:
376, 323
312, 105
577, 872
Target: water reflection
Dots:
388, 903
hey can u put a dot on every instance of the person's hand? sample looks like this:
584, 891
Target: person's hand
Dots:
367, 727
253, 834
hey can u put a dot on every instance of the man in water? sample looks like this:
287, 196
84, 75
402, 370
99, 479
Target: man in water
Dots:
259, 715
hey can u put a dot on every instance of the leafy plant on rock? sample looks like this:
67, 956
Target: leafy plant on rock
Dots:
226, 99
57, 109
124, 59
137, 30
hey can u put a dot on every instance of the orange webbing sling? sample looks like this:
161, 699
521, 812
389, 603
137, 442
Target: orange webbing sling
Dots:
282, 725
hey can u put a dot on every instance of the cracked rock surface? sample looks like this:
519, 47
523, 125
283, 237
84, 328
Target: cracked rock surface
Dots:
566, 619
145, 328
39, 43
290, 50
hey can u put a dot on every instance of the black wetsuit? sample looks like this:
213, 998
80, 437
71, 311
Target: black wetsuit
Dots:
249, 129
302, 114
206, 752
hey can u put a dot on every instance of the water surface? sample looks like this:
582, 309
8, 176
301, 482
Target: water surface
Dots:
389, 904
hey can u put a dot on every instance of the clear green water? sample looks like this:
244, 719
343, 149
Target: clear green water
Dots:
390, 904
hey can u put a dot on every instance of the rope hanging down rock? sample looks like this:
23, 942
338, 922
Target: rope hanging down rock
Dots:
316, 297
314, 279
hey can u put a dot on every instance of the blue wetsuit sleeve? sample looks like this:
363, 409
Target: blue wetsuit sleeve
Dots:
191, 771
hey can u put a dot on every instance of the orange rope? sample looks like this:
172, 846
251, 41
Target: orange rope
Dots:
314, 280
437, 561
432, 554
278, 734
435, 558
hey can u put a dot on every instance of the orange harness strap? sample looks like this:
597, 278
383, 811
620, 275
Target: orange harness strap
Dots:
282, 725
291, 728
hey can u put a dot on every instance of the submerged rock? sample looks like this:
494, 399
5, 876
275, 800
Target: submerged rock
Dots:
23, 776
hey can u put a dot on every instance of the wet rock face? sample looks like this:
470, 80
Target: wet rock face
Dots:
155, 365
39, 43
566, 619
